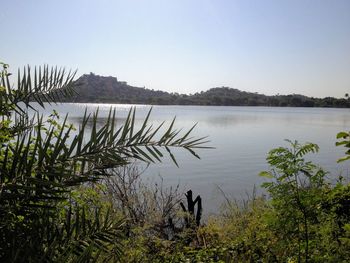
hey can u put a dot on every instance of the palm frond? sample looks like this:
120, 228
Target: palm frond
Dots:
86, 235
49, 84
41, 160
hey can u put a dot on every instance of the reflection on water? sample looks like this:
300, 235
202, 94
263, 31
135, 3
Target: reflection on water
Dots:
242, 136
232, 120
77, 121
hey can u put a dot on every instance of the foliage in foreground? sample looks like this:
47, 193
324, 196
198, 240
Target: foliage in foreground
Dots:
304, 219
43, 161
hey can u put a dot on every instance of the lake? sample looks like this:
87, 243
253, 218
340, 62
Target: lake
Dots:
242, 136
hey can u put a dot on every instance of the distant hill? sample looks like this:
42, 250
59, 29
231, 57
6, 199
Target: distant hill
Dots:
100, 89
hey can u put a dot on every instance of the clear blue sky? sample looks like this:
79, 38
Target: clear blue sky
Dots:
188, 46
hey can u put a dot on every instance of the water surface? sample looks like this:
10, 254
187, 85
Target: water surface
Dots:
242, 136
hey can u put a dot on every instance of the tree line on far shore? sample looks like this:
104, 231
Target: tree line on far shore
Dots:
99, 89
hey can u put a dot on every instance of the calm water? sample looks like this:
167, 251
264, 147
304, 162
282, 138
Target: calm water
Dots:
242, 136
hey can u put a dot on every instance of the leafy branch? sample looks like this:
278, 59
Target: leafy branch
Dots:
344, 138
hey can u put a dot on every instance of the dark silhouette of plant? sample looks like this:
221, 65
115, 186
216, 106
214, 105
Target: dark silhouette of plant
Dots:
192, 217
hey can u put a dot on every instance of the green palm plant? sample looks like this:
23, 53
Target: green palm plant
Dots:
42, 160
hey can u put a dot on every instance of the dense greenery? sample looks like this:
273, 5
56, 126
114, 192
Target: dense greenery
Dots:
304, 219
67, 195
94, 88
42, 162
